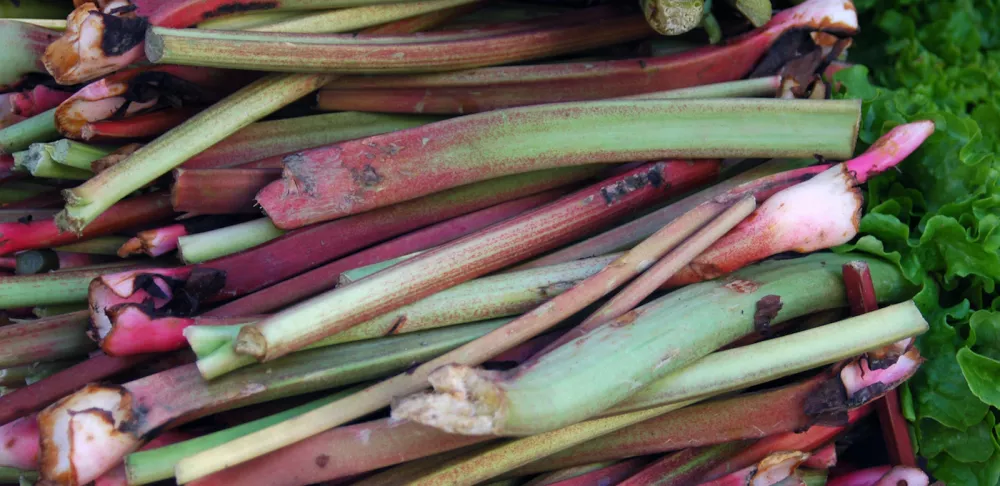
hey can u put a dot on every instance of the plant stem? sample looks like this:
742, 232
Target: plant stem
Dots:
19, 443
39, 162
37, 396
33, 262
472, 148
24, 45
62, 287
23, 195
29, 373
484, 298
178, 395
277, 137
474, 99
613, 473
76, 154
13, 475
758, 12
158, 241
101, 245
57, 310
186, 13
684, 467
15, 106
358, 273
201, 247
356, 18
219, 191
568, 473
133, 332
243, 21
49, 339
39, 128
327, 276
124, 215
346, 54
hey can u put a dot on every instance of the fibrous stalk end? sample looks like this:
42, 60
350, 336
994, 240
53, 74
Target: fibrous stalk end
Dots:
251, 342
465, 400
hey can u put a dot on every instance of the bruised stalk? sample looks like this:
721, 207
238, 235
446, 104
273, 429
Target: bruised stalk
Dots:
44, 233
158, 241
19, 136
307, 248
251, 103
209, 245
24, 44
477, 254
178, 395
49, 339
381, 170
466, 258
484, 298
326, 277
219, 191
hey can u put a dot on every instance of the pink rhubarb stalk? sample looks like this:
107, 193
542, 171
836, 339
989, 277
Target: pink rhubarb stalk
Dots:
132, 331
310, 247
882, 476
326, 277
19, 443
219, 191
823, 458
126, 214
820, 213
159, 241
17, 106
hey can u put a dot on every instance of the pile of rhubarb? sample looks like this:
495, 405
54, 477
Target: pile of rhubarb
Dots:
449, 242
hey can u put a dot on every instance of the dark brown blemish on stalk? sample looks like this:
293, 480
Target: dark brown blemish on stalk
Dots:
767, 310
396, 325
867, 394
205, 282
556, 288
322, 460
122, 34
236, 7
615, 192
827, 404
25, 219
367, 177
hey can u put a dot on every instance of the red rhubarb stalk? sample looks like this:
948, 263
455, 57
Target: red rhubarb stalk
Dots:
337, 180
307, 248
612, 474
19, 443
684, 467
823, 458
17, 106
133, 332
219, 191
820, 213
39, 395
158, 241
124, 215
325, 277
48, 339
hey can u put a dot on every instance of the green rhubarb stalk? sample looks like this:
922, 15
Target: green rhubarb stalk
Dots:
76, 154
484, 298
242, 21
758, 12
201, 247
359, 273
29, 373
45, 340
101, 245
57, 310
15, 191
153, 465
61, 287
600, 369
19, 136
13, 475
35, 9
39, 162
356, 18
746, 88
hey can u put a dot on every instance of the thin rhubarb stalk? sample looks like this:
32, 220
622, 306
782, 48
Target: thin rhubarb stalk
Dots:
355, 274
39, 128
612, 474
57, 310
14, 475
327, 276
484, 298
820, 213
209, 245
347, 54
277, 137
24, 195
33, 262
476, 254
684, 467
251, 103
179, 395
37, 396
30, 373
242, 21
118, 476
127, 214
24, 45
101, 245
39, 162
469, 149
19, 443
357, 18
219, 191
476, 99
76, 154
16, 106
45, 340
62, 287
568, 473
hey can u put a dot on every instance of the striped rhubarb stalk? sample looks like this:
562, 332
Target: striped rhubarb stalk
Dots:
45, 340
380, 170
219, 191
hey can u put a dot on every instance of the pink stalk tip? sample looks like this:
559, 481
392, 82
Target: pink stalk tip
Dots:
882, 476
890, 149
19, 443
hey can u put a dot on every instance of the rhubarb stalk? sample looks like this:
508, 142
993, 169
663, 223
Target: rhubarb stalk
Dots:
19, 136
158, 241
380, 170
24, 44
684, 467
209, 245
346, 20
219, 191
179, 394
19, 443
39, 162
76, 154
49, 339
16, 106
62, 287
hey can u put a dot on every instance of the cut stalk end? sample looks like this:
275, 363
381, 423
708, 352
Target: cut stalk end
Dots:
465, 402
251, 342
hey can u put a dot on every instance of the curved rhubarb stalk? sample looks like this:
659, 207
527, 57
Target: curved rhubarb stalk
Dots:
134, 91
95, 43
19, 105
820, 213
23, 47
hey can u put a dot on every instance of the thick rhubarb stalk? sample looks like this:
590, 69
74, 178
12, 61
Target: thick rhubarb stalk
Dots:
24, 44
484, 298
347, 54
62, 287
270, 138
17, 106
478, 254
307, 248
19, 136
49, 339
19, 443
219, 191
820, 213
76, 154
327, 276
476, 99
357, 18
617, 362
37, 396
178, 395
474, 255
209, 245
380, 170
684, 467
39, 162
43, 233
